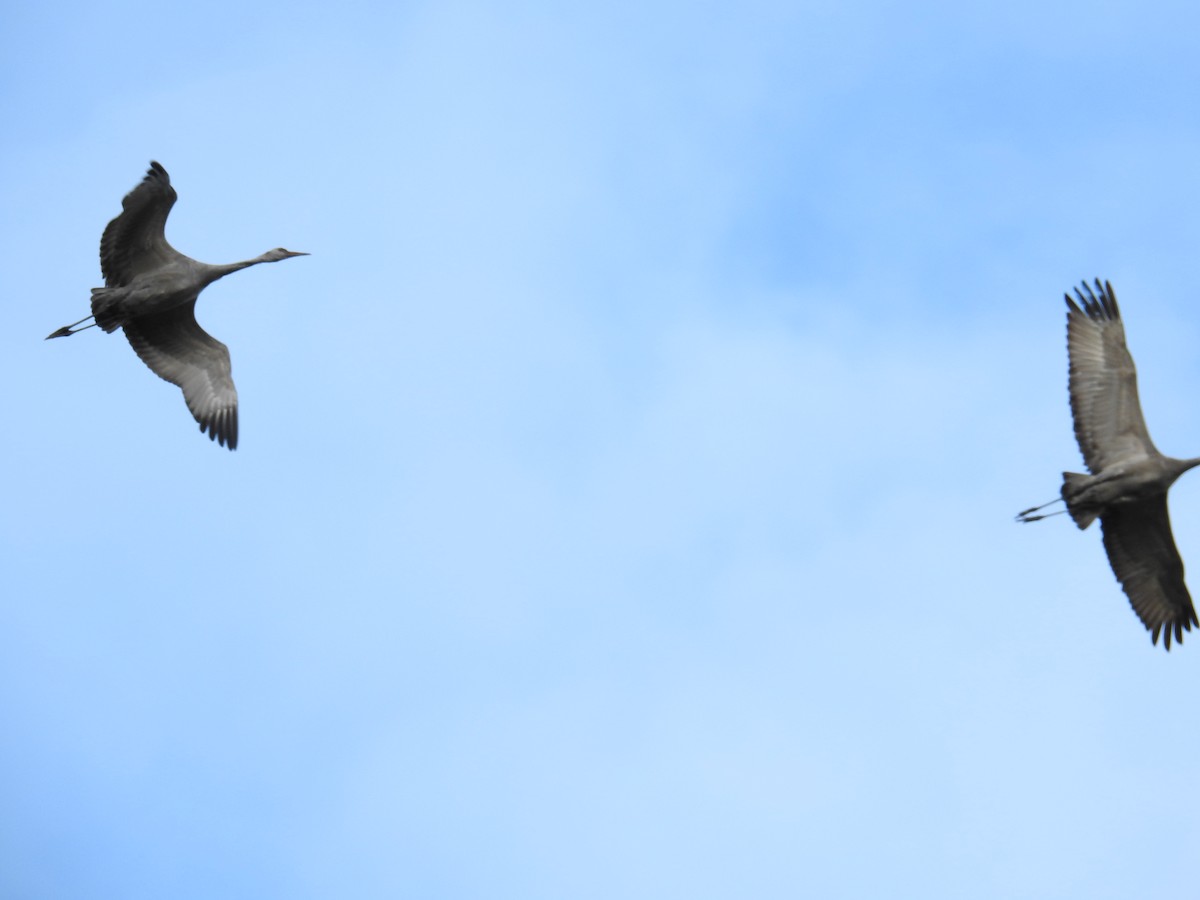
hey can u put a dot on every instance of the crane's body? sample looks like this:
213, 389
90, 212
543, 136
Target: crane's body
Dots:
1129, 480
1121, 484
156, 291
150, 292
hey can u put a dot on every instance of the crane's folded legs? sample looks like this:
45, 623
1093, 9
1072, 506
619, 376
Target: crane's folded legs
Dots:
67, 330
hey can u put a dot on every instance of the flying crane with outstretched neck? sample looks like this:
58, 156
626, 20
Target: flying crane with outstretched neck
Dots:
150, 292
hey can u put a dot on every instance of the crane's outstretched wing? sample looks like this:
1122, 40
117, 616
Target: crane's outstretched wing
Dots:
134, 242
1137, 538
178, 350
1103, 383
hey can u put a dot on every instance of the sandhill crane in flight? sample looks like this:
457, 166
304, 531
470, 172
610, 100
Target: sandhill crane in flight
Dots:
1129, 480
150, 291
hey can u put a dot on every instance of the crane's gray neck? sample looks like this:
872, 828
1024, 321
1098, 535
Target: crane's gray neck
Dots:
212, 273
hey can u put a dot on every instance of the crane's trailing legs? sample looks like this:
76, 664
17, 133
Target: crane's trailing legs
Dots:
68, 330
1027, 515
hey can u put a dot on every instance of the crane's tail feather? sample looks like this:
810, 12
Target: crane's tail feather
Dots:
1073, 483
106, 308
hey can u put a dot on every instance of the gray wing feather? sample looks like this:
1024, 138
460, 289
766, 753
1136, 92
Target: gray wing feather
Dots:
1103, 382
178, 350
134, 242
1142, 552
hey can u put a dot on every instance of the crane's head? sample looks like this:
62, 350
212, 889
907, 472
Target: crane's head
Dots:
279, 253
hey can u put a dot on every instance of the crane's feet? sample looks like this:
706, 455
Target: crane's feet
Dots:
1027, 515
67, 330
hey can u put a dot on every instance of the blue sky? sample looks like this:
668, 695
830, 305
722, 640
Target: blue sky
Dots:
624, 499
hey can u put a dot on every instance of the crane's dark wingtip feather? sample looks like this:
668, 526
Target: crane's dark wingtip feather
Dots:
221, 427
1098, 305
156, 174
1172, 630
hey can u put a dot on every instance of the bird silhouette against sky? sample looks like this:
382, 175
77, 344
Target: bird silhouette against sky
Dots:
150, 292
1129, 480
